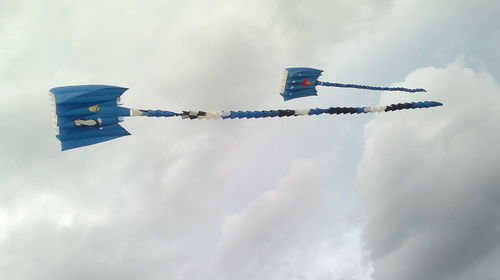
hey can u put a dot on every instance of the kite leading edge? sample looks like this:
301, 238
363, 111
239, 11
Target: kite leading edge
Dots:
90, 114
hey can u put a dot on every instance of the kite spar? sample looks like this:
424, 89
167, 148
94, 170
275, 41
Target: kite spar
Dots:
89, 114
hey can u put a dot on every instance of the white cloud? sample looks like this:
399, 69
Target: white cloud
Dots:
292, 232
151, 205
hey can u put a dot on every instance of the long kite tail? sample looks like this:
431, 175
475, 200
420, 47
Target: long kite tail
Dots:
328, 84
289, 113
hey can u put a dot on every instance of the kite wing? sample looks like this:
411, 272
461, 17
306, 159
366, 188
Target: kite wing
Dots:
88, 114
75, 138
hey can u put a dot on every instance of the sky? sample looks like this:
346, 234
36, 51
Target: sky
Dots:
412, 194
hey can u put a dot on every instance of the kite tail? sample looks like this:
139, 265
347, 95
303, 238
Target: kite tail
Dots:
413, 90
306, 112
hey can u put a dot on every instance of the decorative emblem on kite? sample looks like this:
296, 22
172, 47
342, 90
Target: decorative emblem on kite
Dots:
90, 114
80, 122
305, 82
94, 108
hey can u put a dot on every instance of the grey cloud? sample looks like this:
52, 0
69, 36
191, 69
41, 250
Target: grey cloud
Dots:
152, 205
428, 184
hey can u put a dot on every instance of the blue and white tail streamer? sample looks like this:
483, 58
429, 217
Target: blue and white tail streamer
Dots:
411, 90
289, 113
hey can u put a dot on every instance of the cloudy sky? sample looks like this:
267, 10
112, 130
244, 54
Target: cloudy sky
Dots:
402, 195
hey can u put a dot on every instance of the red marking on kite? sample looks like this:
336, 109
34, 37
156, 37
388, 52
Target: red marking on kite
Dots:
305, 82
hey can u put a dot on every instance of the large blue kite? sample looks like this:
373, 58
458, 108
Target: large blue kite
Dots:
90, 114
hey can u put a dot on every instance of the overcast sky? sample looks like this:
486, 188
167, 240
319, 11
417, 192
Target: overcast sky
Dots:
403, 195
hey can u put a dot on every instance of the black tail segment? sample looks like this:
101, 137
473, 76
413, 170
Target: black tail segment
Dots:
342, 110
412, 105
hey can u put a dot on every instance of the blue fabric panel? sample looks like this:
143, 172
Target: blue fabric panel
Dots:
160, 113
267, 114
83, 111
91, 131
89, 101
87, 94
426, 104
316, 111
239, 114
301, 72
360, 110
292, 94
296, 85
68, 107
83, 136
259, 114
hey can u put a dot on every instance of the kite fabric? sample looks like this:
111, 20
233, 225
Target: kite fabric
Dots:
86, 115
299, 82
90, 114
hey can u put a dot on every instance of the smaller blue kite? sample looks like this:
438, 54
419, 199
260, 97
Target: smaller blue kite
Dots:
90, 114
302, 81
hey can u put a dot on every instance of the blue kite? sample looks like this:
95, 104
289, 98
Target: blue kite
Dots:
89, 114
302, 81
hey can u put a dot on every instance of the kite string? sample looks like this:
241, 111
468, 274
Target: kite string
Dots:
328, 84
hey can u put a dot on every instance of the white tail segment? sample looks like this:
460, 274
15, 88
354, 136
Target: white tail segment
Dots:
377, 109
136, 113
